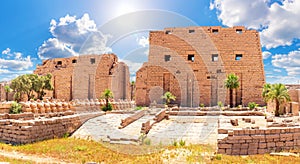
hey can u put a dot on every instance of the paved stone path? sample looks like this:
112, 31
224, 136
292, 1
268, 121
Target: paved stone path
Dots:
191, 129
105, 128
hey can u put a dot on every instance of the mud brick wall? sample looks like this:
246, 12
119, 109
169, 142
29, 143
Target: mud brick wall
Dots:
22, 132
86, 76
258, 141
187, 55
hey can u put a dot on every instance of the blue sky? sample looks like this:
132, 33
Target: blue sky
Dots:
33, 30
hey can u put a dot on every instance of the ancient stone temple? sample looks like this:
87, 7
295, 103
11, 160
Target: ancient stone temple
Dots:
87, 76
193, 63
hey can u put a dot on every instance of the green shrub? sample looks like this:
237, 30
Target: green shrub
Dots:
175, 143
80, 148
15, 108
182, 142
202, 105
252, 105
220, 104
147, 141
66, 135
138, 108
219, 156
109, 108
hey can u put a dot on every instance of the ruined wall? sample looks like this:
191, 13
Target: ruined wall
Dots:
62, 71
158, 80
292, 106
201, 57
3, 93
258, 141
28, 131
86, 76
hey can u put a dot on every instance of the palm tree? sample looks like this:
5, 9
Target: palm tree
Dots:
107, 94
232, 82
132, 86
277, 92
7, 90
168, 96
266, 90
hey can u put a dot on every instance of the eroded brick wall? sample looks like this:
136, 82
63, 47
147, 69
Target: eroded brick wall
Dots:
21, 132
258, 141
86, 76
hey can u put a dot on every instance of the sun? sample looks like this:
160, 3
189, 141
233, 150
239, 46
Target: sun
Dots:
124, 8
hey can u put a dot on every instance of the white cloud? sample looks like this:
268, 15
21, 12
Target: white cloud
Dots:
277, 70
16, 65
69, 36
4, 71
251, 13
96, 44
53, 48
133, 66
18, 55
290, 62
6, 51
143, 41
266, 54
278, 23
284, 79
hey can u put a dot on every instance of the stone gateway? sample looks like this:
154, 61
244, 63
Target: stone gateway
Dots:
193, 62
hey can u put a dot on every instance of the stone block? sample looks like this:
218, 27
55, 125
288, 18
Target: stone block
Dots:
222, 131
253, 145
262, 151
289, 143
228, 151
271, 144
224, 146
252, 151
262, 145
221, 151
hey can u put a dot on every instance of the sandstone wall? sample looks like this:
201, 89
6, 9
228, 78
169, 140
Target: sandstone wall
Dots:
200, 58
21, 132
86, 76
258, 141
3, 93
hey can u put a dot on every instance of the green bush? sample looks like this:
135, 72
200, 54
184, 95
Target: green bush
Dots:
109, 108
66, 135
147, 141
182, 142
175, 143
138, 108
219, 156
252, 105
220, 104
15, 108
202, 105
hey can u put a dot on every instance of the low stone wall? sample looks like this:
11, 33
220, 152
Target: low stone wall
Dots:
146, 127
96, 105
22, 116
160, 115
258, 141
215, 113
4, 107
16, 131
125, 122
